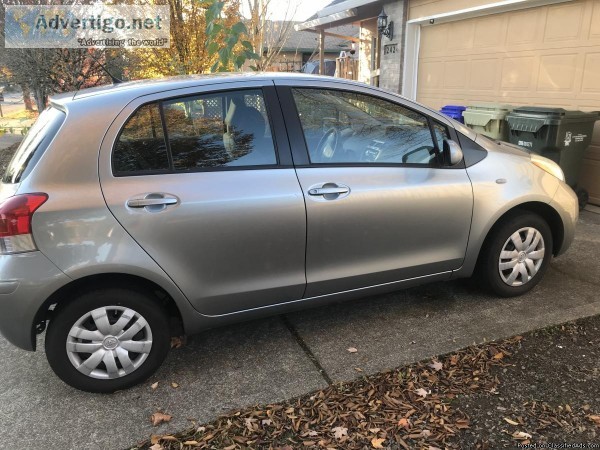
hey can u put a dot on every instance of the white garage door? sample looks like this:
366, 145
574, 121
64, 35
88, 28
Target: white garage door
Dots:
540, 56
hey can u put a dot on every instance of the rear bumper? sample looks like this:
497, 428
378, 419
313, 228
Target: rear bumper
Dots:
27, 280
566, 204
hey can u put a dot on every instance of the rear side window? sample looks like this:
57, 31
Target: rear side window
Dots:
196, 133
228, 129
141, 146
34, 145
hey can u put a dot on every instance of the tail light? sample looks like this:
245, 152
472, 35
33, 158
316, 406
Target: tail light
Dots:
16, 214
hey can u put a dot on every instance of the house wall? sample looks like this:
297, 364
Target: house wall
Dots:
392, 54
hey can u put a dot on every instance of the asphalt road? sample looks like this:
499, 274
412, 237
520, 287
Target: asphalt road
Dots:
281, 357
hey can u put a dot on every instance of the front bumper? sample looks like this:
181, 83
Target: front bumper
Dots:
566, 204
27, 280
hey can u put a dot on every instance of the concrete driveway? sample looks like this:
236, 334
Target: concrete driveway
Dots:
282, 357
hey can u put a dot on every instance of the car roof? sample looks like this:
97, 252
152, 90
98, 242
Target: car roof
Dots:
133, 89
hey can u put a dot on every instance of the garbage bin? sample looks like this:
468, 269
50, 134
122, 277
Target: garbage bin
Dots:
555, 133
454, 111
488, 119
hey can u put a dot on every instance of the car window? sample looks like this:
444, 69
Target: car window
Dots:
34, 145
228, 129
441, 133
348, 127
141, 146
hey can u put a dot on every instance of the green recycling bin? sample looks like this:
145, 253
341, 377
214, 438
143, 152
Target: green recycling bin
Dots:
555, 133
488, 119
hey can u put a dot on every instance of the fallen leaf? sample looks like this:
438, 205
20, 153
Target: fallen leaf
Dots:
521, 435
436, 365
174, 385
154, 439
266, 422
352, 350
499, 355
358, 369
374, 430
177, 341
157, 418
339, 432
157, 447
308, 443
512, 422
154, 385
594, 418
191, 443
422, 392
425, 433
404, 423
431, 447
312, 433
376, 442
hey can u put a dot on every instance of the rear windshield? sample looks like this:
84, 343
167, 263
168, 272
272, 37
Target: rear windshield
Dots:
34, 145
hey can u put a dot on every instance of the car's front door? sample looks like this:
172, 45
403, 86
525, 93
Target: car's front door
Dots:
381, 205
204, 183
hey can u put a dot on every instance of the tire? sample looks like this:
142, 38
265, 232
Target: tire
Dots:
117, 312
534, 258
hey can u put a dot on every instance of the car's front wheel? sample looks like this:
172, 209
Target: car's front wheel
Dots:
108, 339
516, 254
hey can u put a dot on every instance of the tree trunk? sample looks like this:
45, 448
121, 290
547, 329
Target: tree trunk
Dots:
27, 98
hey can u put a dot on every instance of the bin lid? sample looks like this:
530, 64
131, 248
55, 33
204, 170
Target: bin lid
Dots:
554, 113
490, 107
453, 108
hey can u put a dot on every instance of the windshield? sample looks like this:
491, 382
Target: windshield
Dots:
34, 145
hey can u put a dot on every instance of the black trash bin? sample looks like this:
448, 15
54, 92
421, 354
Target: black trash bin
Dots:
555, 133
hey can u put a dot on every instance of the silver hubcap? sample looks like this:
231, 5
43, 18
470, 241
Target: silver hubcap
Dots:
109, 342
521, 257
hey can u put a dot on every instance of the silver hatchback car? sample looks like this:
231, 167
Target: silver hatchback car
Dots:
135, 212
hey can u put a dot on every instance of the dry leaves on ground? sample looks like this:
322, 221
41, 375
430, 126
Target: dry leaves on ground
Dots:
404, 408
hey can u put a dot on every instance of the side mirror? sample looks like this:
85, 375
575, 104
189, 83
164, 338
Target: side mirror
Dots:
453, 154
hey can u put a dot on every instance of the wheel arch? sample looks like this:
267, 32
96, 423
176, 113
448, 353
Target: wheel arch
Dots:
67, 293
545, 211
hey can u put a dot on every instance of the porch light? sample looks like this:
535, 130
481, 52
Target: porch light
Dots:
383, 27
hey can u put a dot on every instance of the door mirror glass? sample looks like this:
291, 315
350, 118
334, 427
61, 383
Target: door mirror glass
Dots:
453, 154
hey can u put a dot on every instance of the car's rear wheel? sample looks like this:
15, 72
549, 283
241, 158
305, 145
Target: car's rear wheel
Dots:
108, 339
516, 255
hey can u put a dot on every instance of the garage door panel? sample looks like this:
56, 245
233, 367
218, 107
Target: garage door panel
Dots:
490, 32
455, 74
564, 22
461, 35
516, 73
483, 74
557, 72
522, 27
595, 23
591, 73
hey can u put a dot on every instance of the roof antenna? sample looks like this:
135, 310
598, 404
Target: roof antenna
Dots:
114, 79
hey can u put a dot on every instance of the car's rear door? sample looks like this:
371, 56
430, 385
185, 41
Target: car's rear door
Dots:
381, 207
203, 180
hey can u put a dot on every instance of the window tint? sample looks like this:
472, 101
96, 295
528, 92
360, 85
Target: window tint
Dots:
141, 146
34, 145
219, 130
347, 127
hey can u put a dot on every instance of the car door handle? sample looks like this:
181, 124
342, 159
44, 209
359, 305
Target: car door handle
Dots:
144, 202
155, 202
329, 191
